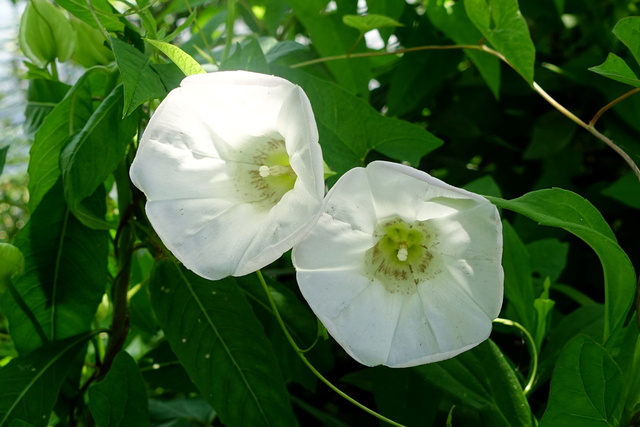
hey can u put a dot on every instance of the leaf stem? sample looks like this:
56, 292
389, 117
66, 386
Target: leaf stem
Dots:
588, 127
309, 365
534, 352
231, 19
612, 104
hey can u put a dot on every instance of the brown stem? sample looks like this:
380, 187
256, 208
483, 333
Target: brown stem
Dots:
611, 105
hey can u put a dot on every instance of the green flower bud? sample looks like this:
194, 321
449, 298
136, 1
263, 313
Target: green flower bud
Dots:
45, 33
90, 48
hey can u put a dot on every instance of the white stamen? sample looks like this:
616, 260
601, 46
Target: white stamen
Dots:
264, 171
403, 254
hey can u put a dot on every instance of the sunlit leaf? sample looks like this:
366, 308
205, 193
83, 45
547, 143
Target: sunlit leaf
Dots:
218, 340
627, 30
365, 23
185, 62
615, 68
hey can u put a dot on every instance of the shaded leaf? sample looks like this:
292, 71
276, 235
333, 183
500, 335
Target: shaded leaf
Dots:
105, 13
562, 208
482, 379
29, 384
551, 133
42, 96
247, 56
548, 257
93, 154
67, 118
625, 190
217, 338
350, 128
121, 397
586, 387
502, 24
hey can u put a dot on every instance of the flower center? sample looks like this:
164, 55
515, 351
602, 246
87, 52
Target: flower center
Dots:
401, 257
262, 172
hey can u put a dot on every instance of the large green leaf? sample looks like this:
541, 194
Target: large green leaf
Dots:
94, 152
140, 79
627, 30
453, 21
331, 37
586, 387
65, 275
215, 334
482, 379
518, 289
562, 208
29, 384
502, 24
67, 118
121, 397
350, 128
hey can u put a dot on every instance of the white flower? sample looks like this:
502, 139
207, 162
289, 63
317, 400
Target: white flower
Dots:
232, 170
401, 268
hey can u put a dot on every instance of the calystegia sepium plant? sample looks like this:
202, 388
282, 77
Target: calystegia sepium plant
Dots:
324, 213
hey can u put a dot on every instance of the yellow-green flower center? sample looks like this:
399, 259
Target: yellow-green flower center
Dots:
401, 258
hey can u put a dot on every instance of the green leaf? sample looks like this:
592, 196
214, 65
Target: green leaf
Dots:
94, 153
11, 264
67, 118
29, 384
105, 13
181, 411
482, 379
485, 185
543, 306
453, 21
518, 289
330, 38
616, 69
350, 128
141, 82
548, 257
218, 340
65, 275
43, 95
185, 62
365, 23
502, 24
586, 387
3, 157
551, 133
567, 210
246, 56
627, 30
284, 48
161, 368
626, 190
121, 397
587, 320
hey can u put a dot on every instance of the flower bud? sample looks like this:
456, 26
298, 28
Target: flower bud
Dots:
45, 33
90, 49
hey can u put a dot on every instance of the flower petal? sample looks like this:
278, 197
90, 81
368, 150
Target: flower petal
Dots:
199, 164
409, 318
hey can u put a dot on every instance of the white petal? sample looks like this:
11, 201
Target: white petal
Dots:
198, 162
422, 322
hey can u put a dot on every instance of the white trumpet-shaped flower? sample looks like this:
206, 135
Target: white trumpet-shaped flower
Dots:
232, 170
401, 268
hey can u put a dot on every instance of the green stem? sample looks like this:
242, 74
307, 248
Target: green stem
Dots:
309, 365
534, 352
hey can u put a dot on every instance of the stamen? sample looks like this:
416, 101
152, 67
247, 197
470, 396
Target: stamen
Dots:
264, 171
276, 170
403, 253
